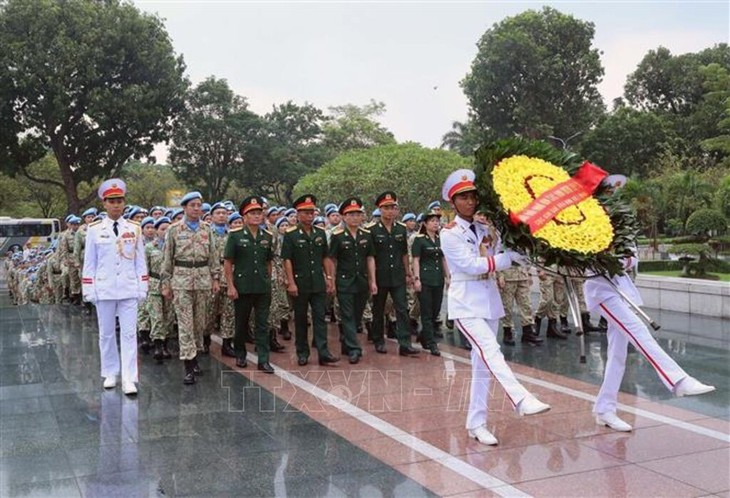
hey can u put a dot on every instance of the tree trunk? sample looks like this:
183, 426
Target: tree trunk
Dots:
70, 187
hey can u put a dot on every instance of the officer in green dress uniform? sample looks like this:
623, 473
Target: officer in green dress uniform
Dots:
352, 261
392, 272
247, 268
304, 251
429, 268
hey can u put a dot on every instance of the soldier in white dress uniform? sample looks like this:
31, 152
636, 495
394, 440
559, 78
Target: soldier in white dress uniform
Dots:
471, 251
624, 327
115, 279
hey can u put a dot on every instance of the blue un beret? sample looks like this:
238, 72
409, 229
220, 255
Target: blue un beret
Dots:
233, 217
161, 220
408, 217
90, 212
148, 220
190, 196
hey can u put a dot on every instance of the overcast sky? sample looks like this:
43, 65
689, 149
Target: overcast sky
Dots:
331, 53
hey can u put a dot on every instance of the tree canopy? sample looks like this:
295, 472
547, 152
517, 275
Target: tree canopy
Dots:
535, 74
414, 172
96, 83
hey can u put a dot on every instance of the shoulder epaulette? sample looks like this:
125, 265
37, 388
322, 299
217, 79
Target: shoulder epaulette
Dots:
420, 235
292, 229
365, 230
338, 231
93, 223
401, 224
318, 228
450, 225
237, 229
267, 231
133, 222
370, 225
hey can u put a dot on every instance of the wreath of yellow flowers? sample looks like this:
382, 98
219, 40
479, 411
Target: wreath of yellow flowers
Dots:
584, 227
592, 232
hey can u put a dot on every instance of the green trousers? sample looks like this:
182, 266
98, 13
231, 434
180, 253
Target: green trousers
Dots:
352, 306
259, 304
430, 299
301, 304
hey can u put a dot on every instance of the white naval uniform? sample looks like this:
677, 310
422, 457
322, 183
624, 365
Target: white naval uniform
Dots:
624, 327
115, 279
475, 305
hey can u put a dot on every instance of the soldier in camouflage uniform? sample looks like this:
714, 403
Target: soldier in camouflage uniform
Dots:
414, 305
190, 269
552, 294
54, 277
80, 246
159, 308
220, 312
280, 312
514, 285
144, 325
68, 262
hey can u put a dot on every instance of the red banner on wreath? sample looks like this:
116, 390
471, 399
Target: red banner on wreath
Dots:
552, 202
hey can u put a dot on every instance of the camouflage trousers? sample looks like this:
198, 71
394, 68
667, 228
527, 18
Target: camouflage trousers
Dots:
57, 286
553, 302
143, 317
578, 286
516, 290
74, 279
414, 305
191, 310
159, 311
221, 315
280, 308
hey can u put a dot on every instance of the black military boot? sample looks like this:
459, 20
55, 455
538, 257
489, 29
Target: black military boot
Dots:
508, 338
284, 330
88, 309
538, 325
449, 324
274, 345
206, 344
392, 325
414, 326
564, 326
157, 355
603, 324
189, 372
587, 325
166, 355
227, 348
241, 359
144, 342
552, 330
196, 368
529, 336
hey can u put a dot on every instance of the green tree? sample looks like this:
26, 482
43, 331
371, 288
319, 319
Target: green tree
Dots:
628, 141
688, 191
354, 127
716, 101
94, 82
290, 146
464, 138
414, 172
706, 222
721, 198
215, 139
148, 184
536, 75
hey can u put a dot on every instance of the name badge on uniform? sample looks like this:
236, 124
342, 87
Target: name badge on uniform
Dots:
319, 241
363, 242
399, 237
264, 243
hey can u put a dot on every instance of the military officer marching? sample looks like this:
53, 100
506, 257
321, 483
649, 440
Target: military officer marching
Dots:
115, 279
247, 268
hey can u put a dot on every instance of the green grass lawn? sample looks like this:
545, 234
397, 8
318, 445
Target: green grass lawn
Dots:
724, 277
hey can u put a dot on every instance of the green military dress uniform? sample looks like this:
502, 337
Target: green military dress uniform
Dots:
431, 274
351, 279
251, 257
390, 248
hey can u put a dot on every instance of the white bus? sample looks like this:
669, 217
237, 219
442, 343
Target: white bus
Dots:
15, 233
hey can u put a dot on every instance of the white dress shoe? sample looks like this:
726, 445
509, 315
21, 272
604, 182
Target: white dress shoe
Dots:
530, 405
689, 386
129, 387
110, 382
611, 420
482, 435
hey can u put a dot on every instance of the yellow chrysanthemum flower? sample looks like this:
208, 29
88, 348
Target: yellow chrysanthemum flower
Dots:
584, 227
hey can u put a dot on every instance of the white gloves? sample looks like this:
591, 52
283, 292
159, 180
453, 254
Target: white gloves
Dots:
518, 258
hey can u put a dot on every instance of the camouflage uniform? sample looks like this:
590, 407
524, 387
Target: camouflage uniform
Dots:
68, 262
414, 306
221, 314
189, 266
280, 310
516, 288
159, 309
54, 276
548, 306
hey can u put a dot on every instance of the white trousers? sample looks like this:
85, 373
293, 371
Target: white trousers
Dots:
487, 361
624, 327
106, 312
